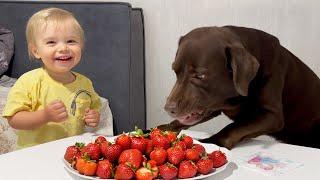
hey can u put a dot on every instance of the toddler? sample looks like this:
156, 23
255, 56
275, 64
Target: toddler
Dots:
52, 102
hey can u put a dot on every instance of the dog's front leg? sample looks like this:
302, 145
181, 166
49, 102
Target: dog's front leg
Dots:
266, 117
239, 131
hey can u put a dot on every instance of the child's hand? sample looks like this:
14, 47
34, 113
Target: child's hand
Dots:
91, 117
56, 111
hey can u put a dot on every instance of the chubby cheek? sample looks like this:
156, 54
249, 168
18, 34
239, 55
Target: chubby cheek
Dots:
77, 55
77, 59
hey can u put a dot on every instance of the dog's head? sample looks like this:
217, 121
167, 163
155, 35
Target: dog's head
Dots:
211, 66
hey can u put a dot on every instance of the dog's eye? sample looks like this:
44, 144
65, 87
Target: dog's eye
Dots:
200, 76
198, 80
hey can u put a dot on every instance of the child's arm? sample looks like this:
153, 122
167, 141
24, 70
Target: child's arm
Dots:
25, 120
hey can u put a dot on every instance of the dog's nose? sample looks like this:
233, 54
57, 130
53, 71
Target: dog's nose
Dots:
171, 108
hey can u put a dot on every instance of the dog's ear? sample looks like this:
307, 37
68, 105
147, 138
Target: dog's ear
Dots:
244, 67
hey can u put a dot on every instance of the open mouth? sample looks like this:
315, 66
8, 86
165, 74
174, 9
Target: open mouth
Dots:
63, 58
191, 118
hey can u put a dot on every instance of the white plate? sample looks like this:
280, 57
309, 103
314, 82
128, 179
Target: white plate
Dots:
209, 148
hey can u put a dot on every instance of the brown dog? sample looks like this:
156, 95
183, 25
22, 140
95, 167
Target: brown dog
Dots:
246, 74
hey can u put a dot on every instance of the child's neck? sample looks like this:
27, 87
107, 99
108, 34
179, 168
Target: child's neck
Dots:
64, 78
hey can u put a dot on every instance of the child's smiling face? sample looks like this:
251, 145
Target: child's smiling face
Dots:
58, 45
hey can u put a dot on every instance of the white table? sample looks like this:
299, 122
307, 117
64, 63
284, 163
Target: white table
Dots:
45, 161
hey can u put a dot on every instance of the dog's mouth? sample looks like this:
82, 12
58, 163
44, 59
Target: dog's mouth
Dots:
197, 116
191, 118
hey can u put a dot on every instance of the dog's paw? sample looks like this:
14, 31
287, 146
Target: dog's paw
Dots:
218, 140
169, 127
174, 126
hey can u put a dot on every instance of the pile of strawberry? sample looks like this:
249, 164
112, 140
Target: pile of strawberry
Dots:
142, 156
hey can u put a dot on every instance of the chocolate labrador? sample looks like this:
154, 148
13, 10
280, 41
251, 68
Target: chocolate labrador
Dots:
247, 75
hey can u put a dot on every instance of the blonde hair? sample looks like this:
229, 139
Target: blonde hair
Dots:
43, 17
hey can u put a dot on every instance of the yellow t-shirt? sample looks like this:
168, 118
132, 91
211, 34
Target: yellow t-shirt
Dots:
35, 89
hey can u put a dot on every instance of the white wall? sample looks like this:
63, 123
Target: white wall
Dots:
296, 23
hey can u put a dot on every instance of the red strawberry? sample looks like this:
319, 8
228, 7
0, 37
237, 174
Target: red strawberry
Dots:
175, 155
80, 164
103, 147
168, 171
132, 156
149, 146
90, 168
152, 163
100, 139
204, 165
218, 158
180, 144
188, 140
70, 153
154, 132
138, 143
147, 173
199, 148
104, 169
161, 141
159, 155
93, 150
124, 141
112, 152
153, 168
143, 174
123, 171
187, 169
86, 166
73, 151
172, 136
192, 154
